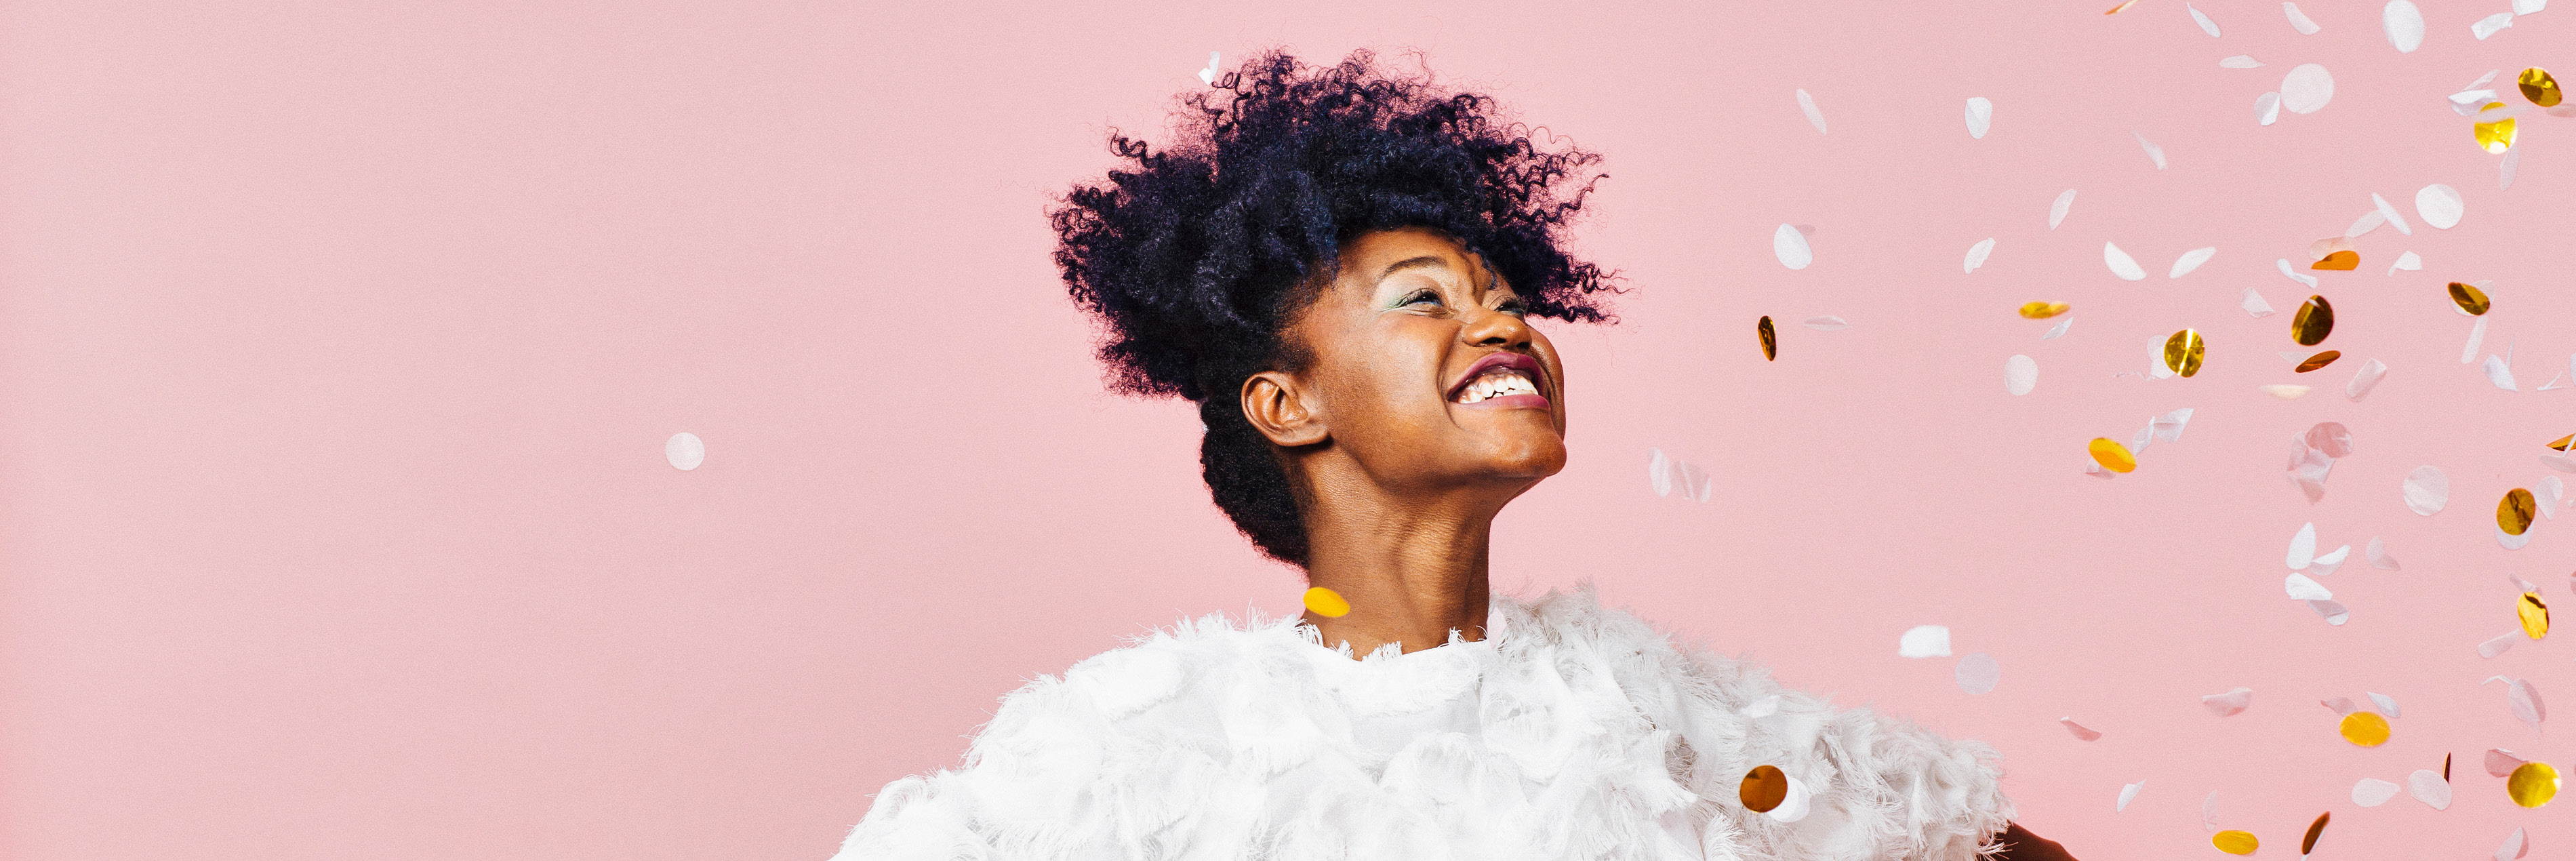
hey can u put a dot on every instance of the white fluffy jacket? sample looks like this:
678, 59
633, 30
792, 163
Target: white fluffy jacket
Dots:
1570, 732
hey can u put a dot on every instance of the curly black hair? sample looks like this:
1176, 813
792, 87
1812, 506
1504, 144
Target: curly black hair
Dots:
1194, 259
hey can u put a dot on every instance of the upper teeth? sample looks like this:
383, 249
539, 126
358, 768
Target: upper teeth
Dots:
1494, 384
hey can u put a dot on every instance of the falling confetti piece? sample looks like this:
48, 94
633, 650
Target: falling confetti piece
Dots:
2532, 784
2471, 102
2121, 264
1924, 641
2390, 212
2043, 310
1659, 472
2234, 842
1828, 323
2306, 89
2301, 588
2231, 702
2499, 643
2059, 330
2427, 490
2021, 374
1208, 75
2154, 153
2267, 108
2439, 205
2317, 361
2313, 322
2303, 547
2387, 704
2488, 25
1981, 116
1761, 708
2508, 168
2240, 61
2293, 274
2526, 7
2057, 210
2191, 260
1770, 340
2539, 87
2209, 812
1763, 789
1692, 481
2331, 244
1807, 104
2404, 24
685, 450
2494, 137
2362, 226
2477, 334
2408, 261
2365, 379
2299, 20
2469, 299
2515, 511
2534, 615
2366, 729
2429, 787
2124, 5
1791, 247
1977, 255
2501, 762
1978, 673
2340, 260
2112, 455
1795, 806
2378, 555
2206, 26
2373, 792
2183, 352
2253, 304
2284, 392
2128, 793
2523, 699
2078, 729
2308, 844
2550, 490
2334, 612
2513, 847
1326, 603
2499, 373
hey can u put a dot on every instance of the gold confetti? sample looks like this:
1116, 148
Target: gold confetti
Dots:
2469, 298
2539, 87
1770, 340
2534, 613
2494, 137
2313, 323
2564, 441
2234, 842
2124, 4
1326, 603
2532, 784
2319, 360
2043, 310
2309, 843
2112, 455
2367, 729
2339, 260
2515, 511
2183, 351
1764, 788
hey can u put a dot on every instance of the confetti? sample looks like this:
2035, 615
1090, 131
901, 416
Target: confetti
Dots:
2469, 299
2499, 373
2303, 547
1761, 708
2373, 792
2362, 226
1770, 340
2299, 20
1978, 673
1977, 255
2231, 702
2366, 729
1827, 323
2284, 392
2124, 5
2054, 332
1326, 603
2439, 205
2209, 814
2043, 310
2308, 844
2293, 274
2021, 374
2523, 699
2240, 61
2404, 24
2306, 89
2253, 304
2407, 261
2234, 842
2494, 137
2534, 615
2387, 704
2505, 170
2488, 25
2340, 260
2128, 793
2377, 552
2526, 7
2364, 379
1794, 807
2317, 361
2469, 102
2501, 762
1791, 247
1692, 481
2532, 784
685, 451
1924, 641
2121, 264
1208, 75
2427, 786
2515, 511
2313, 322
2550, 490
2427, 490
2537, 85
2154, 153
2267, 108
1763, 789
2301, 588
2057, 210
1981, 116
1807, 104
2206, 26
2078, 729
2394, 219
2191, 260
1659, 472
2183, 352
2513, 847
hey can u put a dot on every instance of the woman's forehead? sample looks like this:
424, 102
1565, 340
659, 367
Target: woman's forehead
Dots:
1372, 257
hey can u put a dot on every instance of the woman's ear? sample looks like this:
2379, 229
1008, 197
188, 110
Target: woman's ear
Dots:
1277, 407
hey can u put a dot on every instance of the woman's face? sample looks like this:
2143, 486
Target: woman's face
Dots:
1422, 370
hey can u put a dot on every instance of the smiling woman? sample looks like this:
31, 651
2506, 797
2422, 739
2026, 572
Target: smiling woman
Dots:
1339, 266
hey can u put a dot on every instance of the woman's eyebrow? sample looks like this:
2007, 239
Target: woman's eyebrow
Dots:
1425, 261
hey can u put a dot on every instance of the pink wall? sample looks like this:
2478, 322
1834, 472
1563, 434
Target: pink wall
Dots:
341, 342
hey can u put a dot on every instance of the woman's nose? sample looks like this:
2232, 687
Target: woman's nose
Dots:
1490, 328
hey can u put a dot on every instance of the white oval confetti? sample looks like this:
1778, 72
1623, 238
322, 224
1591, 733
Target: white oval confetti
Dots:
2508, 541
2059, 330
2231, 702
1977, 255
2267, 108
2293, 274
2128, 793
1659, 472
1791, 247
2240, 61
2122, 264
2303, 547
2405, 25
2373, 792
685, 450
2526, 7
2364, 380
2209, 811
2191, 260
1793, 807
2427, 490
2306, 89
2428, 786
2362, 226
2387, 704
2079, 730
2299, 20
2477, 335
2523, 699
2390, 212
2335, 612
2499, 374
2154, 153
1981, 116
2378, 555
2440, 205
1807, 103
2499, 643
1827, 323
2488, 25
1978, 673
2303, 589
2021, 374
2512, 848
2501, 762
2206, 26
2253, 304
1924, 641
2408, 261
2057, 211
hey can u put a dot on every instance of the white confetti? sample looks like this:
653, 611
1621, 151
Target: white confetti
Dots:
2294, 274
2206, 26
1981, 116
2299, 20
2209, 811
2340, 705
2326, 563
1790, 245
2499, 374
2405, 25
685, 450
1978, 673
2240, 61
2488, 25
1692, 481
2284, 391
2377, 552
2154, 153
2059, 330
2362, 226
2126, 794
2548, 493
2511, 542
2506, 169
2477, 335
2253, 304
2231, 702
2303, 589
2498, 644
2390, 212
2122, 265
1924, 641
2428, 786
1761, 708
2387, 704
2483, 79
2555, 383
2407, 261
2440, 205
2267, 108
1208, 75
2335, 613
2080, 731
2191, 260
1659, 472
2501, 762
2303, 547
2524, 699
2057, 211
2427, 490
2373, 792
2526, 7
1807, 104
2364, 379
2512, 847
1793, 807
1827, 323
2306, 89
2021, 374
1977, 255
2468, 103
2168, 427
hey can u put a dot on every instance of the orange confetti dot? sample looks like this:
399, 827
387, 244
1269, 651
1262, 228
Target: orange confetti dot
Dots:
2112, 455
2318, 361
2044, 310
2367, 729
1763, 789
1327, 603
2234, 842
2339, 260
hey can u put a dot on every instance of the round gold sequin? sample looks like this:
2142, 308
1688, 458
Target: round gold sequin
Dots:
2309, 843
2367, 729
2515, 511
2234, 842
1770, 340
2183, 351
2319, 360
2339, 260
1764, 788
2112, 455
2469, 298
2313, 323
2043, 310
2532, 784
1327, 603
2534, 614
2539, 87
2494, 137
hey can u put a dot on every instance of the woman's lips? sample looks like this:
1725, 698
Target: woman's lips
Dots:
1538, 402
1528, 366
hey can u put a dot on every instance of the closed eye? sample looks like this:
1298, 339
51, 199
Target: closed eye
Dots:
1420, 297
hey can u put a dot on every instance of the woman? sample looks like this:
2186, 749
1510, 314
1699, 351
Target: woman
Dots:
1338, 265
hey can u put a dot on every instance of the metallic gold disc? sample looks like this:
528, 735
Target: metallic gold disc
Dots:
1764, 788
2563, 442
1770, 340
2494, 137
2313, 323
2469, 298
2339, 260
2534, 613
2532, 784
2367, 729
2112, 455
2043, 310
1327, 603
2309, 843
2539, 87
2515, 511
2234, 842
2319, 360
2183, 351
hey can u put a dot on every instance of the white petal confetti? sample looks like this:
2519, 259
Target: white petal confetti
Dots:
2499, 643
2499, 374
2548, 493
2253, 304
2206, 26
2306, 89
2488, 25
2326, 563
2405, 25
2284, 391
2057, 211
2477, 335
2483, 79
1924, 641
1978, 673
2294, 274
1790, 245
2427, 490
2240, 61
2229, 703
1793, 807
2362, 226
2501, 762
2467, 103
2524, 699
2168, 427
1208, 75
2506, 169
2335, 613
2555, 383
2267, 108
2512, 848
2428, 786
1692, 481
2332, 438
1761, 708
2377, 552
2526, 7
2511, 542
2407, 261
2373, 792
2303, 547
1807, 104
685, 450
2154, 153
2209, 811
2191, 260
2387, 704
2303, 589
2299, 20
2124, 266
2078, 729
2440, 205
1981, 116
2126, 794
1977, 255
2394, 219
1827, 323
2021, 374
2340, 705
1659, 472
2059, 330
2364, 379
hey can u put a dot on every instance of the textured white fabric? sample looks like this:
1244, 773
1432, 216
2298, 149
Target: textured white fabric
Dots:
1570, 732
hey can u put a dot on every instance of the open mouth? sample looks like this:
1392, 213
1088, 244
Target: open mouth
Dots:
1502, 378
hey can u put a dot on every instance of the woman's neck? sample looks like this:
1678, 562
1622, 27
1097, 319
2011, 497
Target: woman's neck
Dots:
1412, 570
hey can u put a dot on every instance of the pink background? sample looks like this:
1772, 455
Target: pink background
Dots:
341, 343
